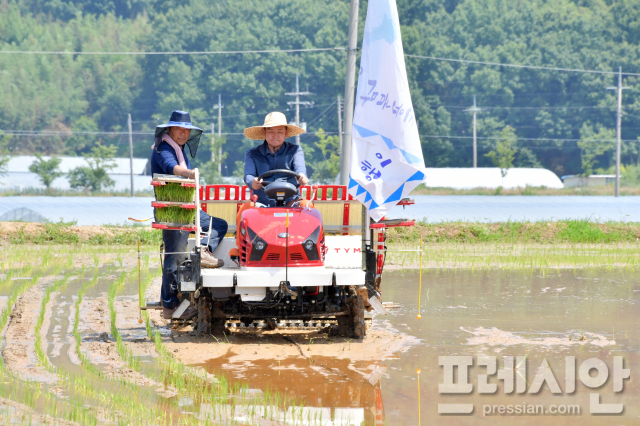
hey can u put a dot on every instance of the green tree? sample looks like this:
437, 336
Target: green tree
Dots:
209, 169
47, 170
327, 167
505, 151
95, 177
596, 147
238, 169
4, 161
93, 93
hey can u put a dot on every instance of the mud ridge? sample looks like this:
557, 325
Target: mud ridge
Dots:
12, 412
100, 347
19, 353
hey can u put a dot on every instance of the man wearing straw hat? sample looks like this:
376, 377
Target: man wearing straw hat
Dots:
274, 153
169, 158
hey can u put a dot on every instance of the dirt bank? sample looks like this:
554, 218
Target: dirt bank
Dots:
100, 346
496, 337
65, 233
12, 412
19, 353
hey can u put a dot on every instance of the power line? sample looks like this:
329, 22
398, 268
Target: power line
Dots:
322, 113
227, 52
536, 67
526, 139
321, 49
463, 108
231, 116
36, 133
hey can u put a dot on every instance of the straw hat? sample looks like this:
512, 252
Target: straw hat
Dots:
273, 119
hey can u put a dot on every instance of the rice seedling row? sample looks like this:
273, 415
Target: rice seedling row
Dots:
83, 393
518, 256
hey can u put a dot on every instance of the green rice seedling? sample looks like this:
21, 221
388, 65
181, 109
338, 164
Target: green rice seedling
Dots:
42, 357
83, 358
175, 215
174, 192
123, 350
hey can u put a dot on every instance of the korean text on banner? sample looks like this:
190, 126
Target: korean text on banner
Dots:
386, 157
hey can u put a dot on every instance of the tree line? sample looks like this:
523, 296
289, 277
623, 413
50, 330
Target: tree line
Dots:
564, 121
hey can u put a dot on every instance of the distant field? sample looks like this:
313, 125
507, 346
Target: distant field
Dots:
546, 232
517, 245
592, 190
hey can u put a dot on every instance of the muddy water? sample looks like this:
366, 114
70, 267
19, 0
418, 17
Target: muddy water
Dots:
492, 313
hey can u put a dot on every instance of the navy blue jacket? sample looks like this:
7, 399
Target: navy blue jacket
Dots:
259, 160
164, 159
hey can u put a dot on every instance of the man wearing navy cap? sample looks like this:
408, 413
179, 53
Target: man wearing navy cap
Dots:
169, 158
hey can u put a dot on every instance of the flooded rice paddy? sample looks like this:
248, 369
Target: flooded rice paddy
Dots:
74, 352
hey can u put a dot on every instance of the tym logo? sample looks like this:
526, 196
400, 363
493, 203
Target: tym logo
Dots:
348, 250
514, 376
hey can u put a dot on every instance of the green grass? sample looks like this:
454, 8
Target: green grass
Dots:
547, 232
604, 190
67, 233
175, 215
175, 192
524, 256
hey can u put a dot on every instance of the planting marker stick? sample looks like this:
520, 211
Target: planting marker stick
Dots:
420, 280
418, 371
139, 288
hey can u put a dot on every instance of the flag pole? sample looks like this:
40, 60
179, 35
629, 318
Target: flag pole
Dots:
349, 92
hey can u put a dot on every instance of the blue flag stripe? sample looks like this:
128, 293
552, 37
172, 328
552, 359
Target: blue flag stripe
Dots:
365, 133
396, 195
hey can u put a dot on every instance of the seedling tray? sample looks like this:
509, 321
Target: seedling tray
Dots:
160, 204
173, 226
162, 183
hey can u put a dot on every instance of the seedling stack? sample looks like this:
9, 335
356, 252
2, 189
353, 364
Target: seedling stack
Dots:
175, 205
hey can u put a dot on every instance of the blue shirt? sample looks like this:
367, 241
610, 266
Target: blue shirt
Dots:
164, 159
259, 160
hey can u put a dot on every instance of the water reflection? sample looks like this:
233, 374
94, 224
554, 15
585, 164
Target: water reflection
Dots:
331, 391
531, 315
535, 316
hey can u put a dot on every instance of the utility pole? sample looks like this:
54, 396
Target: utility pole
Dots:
219, 108
213, 142
349, 92
297, 103
618, 128
474, 110
339, 102
130, 152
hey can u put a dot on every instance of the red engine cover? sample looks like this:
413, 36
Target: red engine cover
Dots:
268, 225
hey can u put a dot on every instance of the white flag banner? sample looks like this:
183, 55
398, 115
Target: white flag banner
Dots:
386, 157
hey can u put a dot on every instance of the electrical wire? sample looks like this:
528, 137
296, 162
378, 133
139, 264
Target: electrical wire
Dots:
227, 52
535, 67
525, 139
322, 113
48, 133
321, 49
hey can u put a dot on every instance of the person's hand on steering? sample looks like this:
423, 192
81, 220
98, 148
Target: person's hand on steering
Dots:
302, 180
256, 183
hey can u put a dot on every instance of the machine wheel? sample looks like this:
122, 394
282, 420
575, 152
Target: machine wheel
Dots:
204, 316
353, 325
